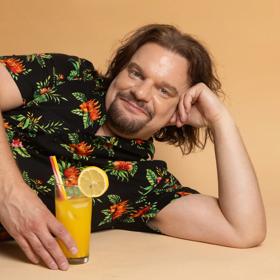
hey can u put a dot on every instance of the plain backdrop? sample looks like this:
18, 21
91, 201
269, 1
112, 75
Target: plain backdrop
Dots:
242, 36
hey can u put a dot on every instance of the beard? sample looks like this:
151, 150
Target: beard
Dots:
120, 121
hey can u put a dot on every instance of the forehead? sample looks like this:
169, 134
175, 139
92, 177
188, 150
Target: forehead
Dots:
158, 57
161, 62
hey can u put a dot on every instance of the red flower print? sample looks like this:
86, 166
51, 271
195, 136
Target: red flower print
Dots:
71, 174
71, 171
159, 179
14, 64
82, 149
60, 77
123, 165
16, 143
45, 90
139, 141
183, 193
92, 108
118, 209
6, 125
38, 182
108, 145
141, 212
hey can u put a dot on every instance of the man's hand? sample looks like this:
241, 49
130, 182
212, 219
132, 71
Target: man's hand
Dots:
34, 227
198, 107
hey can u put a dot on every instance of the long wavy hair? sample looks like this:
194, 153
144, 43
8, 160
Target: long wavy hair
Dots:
201, 69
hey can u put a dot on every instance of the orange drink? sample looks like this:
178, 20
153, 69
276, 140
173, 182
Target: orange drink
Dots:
73, 206
75, 214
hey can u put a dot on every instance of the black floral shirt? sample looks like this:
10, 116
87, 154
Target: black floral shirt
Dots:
64, 106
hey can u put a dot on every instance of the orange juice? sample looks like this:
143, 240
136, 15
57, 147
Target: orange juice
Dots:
75, 215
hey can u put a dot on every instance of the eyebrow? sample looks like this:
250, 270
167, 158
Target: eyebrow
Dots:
163, 84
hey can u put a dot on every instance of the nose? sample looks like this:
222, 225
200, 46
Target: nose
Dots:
143, 91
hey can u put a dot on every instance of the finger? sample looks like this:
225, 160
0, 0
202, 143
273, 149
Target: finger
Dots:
59, 231
23, 244
182, 109
179, 123
54, 250
191, 97
188, 101
172, 120
41, 251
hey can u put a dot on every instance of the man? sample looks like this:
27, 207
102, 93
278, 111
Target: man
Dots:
160, 84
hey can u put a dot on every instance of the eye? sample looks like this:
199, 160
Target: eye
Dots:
135, 74
164, 91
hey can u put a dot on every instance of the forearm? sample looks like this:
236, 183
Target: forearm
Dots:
9, 172
239, 195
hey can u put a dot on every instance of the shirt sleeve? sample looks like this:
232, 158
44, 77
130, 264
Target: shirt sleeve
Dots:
37, 73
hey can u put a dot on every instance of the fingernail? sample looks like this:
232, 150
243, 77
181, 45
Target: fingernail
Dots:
53, 266
64, 266
74, 250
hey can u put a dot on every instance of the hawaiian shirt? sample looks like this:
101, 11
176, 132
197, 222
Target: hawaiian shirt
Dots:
64, 106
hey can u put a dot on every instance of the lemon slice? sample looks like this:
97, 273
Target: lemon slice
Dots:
93, 181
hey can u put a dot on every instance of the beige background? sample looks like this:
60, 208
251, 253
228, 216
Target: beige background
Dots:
244, 39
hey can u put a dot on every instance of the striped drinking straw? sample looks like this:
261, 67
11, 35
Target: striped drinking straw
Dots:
58, 179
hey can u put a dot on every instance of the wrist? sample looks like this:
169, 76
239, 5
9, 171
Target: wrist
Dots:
224, 120
10, 185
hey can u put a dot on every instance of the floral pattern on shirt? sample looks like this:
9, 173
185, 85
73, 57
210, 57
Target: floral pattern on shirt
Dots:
64, 108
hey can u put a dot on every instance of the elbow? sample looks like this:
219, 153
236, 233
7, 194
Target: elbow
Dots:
251, 240
250, 243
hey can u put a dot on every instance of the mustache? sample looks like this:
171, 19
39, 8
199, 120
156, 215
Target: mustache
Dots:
141, 104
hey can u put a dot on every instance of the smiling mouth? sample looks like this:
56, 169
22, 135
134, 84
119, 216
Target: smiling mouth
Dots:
135, 107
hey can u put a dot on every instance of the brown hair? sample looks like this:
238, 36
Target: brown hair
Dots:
201, 69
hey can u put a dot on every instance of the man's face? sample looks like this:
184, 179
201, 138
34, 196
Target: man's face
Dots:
144, 95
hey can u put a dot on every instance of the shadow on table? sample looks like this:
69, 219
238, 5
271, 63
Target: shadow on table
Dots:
10, 250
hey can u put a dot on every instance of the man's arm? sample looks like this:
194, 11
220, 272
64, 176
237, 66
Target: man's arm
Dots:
237, 217
22, 213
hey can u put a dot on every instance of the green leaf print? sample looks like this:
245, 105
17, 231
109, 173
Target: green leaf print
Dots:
73, 137
35, 184
26, 178
106, 144
26, 123
122, 169
87, 76
31, 124
19, 117
46, 91
152, 149
22, 152
75, 73
51, 181
80, 96
151, 177
129, 220
114, 199
40, 58
108, 217
86, 120
52, 127
37, 100
102, 120
10, 135
78, 112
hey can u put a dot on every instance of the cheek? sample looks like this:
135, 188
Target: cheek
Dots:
122, 81
164, 109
